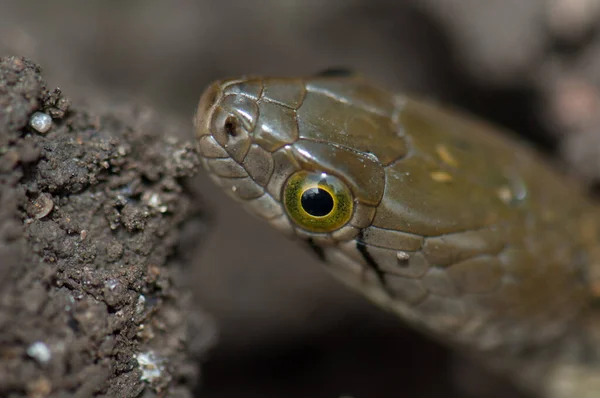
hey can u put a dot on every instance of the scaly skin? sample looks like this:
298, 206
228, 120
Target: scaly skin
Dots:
463, 232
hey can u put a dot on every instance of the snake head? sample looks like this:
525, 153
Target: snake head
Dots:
300, 153
430, 214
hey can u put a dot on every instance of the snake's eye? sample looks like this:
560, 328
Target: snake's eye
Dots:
317, 202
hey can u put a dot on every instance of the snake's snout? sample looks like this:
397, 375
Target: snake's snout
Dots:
226, 116
225, 125
206, 106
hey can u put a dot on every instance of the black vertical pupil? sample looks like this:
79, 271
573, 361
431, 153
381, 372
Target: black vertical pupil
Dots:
317, 202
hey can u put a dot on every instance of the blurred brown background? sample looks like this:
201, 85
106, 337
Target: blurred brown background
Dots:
286, 328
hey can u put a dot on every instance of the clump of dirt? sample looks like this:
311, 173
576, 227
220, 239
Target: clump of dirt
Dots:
90, 217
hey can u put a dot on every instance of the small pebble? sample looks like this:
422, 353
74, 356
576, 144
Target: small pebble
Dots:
139, 307
111, 284
41, 206
40, 122
40, 352
150, 365
154, 201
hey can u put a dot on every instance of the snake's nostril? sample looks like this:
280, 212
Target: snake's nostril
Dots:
232, 126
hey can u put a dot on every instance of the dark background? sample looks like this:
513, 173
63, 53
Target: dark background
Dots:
286, 328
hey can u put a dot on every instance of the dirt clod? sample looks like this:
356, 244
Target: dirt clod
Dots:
89, 224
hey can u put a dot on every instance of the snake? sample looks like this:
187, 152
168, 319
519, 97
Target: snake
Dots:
455, 225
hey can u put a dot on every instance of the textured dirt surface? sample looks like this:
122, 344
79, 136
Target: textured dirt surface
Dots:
90, 214
285, 326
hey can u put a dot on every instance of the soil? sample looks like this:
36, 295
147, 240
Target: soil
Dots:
90, 295
286, 328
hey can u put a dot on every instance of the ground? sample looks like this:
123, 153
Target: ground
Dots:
90, 299
529, 65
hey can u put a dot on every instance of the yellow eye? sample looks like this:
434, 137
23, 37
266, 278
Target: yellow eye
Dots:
317, 202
